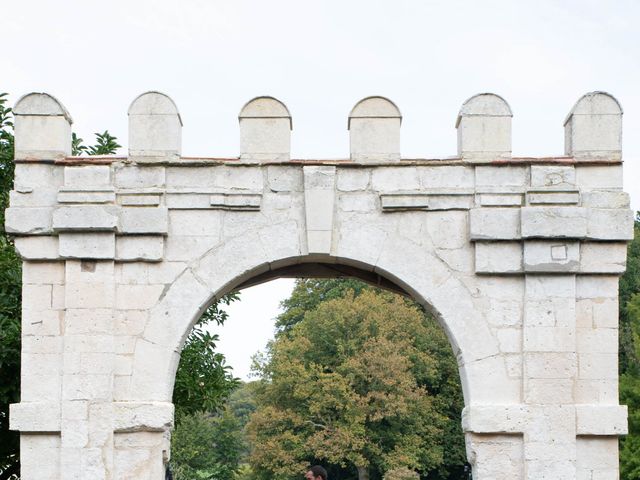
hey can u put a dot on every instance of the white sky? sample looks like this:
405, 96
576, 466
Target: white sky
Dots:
320, 57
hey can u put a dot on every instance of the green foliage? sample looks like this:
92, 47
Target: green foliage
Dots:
106, 144
206, 447
10, 297
629, 324
309, 293
203, 380
630, 358
363, 380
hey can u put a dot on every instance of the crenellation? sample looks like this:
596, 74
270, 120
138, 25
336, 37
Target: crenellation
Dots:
517, 258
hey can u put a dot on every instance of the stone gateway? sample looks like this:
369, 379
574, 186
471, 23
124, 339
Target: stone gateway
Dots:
518, 259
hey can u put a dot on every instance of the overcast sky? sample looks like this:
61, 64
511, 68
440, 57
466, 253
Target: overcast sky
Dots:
211, 56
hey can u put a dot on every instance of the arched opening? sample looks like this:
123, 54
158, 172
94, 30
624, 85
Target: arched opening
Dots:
333, 268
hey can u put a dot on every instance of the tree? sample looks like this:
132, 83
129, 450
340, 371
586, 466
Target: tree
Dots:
630, 357
350, 384
206, 446
10, 297
203, 380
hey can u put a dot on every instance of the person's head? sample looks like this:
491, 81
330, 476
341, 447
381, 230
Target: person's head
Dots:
316, 473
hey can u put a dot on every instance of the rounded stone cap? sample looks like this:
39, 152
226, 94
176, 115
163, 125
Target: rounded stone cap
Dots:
486, 105
40, 104
596, 103
154, 103
265, 107
374, 107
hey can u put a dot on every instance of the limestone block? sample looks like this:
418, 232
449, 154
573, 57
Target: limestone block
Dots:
446, 176
87, 245
394, 179
284, 179
184, 248
501, 176
553, 176
509, 339
550, 365
142, 416
549, 339
41, 322
30, 197
448, 230
87, 387
596, 257
155, 127
139, 220
236, 201
353, 179
29, 175
128, 176
140, 200
593, 127
597, 340
551, 256
484, 127
86, 217
494, 223
35, 416
597, 458
599, 177
35, 387
498, 257
598, 366
433, 202
28, 220
94, 321
610, 224
40, 456
374, 130
43, 272
495, 457
601, 391
319, 198
605, 199
495, 418
42, 128
195, 223
139, 248
601, 419
553, 198
597, 286
265, 130
137, 297
358, 202
87, 176
554, 222
499, 199
71, 196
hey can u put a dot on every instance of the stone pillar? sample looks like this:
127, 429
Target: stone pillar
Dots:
155, 128
374, 130
549, 370
593, 128
265, 131
42, 128
87, 379
42, 133
484, 128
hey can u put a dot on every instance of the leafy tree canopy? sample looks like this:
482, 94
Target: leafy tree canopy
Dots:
356, 383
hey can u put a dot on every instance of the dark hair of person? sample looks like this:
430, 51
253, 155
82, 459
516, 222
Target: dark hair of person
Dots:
318, 471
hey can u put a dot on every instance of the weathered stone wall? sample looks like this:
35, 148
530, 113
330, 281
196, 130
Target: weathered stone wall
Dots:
518, 258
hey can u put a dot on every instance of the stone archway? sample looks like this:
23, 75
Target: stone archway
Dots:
518, 258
